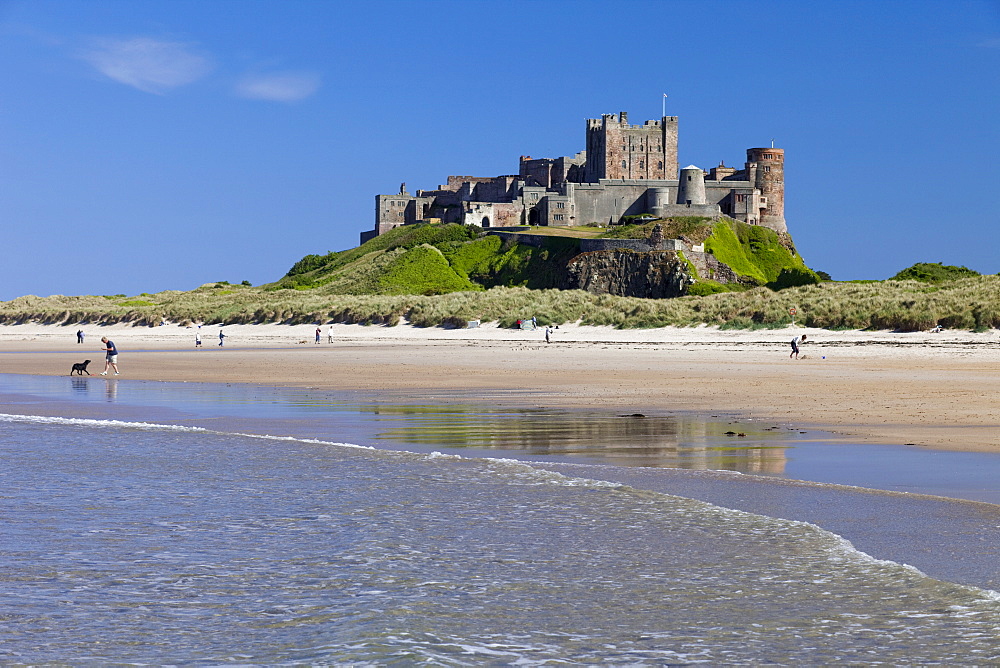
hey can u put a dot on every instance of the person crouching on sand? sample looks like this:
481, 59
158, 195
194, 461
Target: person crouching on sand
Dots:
795, 346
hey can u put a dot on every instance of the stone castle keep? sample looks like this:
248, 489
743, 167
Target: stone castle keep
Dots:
626, 170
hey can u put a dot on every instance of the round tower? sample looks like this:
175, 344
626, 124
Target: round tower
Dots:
657, 201
770, 180
691, 186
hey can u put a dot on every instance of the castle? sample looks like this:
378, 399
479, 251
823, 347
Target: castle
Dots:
626, 170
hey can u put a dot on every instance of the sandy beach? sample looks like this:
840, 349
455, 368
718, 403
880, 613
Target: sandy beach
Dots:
939, 390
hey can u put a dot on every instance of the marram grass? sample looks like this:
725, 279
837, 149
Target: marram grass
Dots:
969, 303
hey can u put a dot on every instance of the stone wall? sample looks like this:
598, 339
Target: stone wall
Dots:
536, 240
597, 203
639, 245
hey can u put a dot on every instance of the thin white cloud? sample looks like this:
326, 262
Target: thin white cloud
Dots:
151, 65
278, 87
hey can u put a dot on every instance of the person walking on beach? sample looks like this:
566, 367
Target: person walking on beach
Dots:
197, 339
222, 338
329, 334
318, 332
111, 356
795, 346
79, 336
547, 330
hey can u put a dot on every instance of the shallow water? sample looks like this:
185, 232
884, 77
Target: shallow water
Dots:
448, 423
137, 544
161, 543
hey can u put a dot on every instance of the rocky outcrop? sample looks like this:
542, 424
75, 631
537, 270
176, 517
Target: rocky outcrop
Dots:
709, 267
626, 273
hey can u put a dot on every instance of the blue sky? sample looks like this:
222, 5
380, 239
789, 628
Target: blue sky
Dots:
158, 145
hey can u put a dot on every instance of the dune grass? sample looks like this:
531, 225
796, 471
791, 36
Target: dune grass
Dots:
968, 303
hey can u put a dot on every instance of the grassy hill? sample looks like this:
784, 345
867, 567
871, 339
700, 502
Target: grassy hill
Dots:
428, 260
430, 275
438, 259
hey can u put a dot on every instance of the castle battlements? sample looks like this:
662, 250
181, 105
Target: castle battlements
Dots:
625, 170
621, 119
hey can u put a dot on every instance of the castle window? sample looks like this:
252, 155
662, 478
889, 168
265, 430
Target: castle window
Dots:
659, 165
558, 216
560, 205
767, 168
624, 165
624, 147
641, 164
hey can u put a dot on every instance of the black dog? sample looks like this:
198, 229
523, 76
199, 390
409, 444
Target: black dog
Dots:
80, 368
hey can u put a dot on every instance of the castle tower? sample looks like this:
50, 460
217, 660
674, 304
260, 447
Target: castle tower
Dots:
691, 186
658, 201
617, 150
766, 168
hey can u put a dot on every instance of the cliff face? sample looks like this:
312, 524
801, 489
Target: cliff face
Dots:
653, 275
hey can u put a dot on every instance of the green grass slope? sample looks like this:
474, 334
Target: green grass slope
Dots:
757, 253
430, 259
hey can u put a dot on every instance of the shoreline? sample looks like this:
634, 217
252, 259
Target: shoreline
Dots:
938, 390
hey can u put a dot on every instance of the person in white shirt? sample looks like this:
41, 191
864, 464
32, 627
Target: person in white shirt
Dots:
795, 346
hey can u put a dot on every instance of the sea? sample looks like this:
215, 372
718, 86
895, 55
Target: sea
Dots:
211, 524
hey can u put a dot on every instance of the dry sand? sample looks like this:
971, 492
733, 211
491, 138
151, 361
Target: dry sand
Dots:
930, 389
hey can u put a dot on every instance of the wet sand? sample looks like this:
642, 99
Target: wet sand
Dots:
936, 390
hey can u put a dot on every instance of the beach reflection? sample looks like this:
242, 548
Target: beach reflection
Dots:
674, 441
598, 436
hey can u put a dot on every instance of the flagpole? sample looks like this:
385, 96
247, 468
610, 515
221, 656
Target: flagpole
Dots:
664, 114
